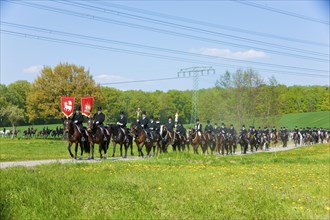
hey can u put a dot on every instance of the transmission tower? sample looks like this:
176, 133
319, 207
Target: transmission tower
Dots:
195, 72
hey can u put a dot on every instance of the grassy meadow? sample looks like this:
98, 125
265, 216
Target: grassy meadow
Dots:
307, 119
280, 185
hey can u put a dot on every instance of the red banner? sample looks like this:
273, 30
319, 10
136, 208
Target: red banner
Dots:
67, 104
86, 105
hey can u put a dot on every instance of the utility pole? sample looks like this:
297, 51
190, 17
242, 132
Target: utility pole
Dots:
195, 72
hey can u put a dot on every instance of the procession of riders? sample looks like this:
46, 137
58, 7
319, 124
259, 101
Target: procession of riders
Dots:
223, 138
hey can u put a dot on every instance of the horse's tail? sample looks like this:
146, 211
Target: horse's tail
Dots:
87, 147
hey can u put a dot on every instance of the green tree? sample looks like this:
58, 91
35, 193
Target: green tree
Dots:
13, 114
43, 100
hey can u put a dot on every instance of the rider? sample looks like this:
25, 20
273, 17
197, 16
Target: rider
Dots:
99, 118
170, 128
266, 133
208, 128
232, 131
121, 123
198, 127
243, 131
78, 119
223, 130
151, 128
144, 120
180, 129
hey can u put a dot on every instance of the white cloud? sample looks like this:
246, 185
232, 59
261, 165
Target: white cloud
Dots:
226, 53
32, 69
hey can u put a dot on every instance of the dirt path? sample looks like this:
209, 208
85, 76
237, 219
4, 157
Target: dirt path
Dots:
38, 162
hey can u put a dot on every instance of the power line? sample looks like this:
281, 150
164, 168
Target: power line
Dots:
180, 26
268, 8
94, 46
208, 24
61, 33
102, 19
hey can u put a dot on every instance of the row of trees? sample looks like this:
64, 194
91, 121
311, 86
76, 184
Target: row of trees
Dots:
238, 97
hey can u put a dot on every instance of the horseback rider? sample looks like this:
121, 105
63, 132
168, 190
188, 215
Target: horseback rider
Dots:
223, 130
232, 132
180, 130
144, 120
198, 127
243, 131
208, 127
216, 128
99, 118
266, 133
170, 128
121, 123
151, 128
78, 120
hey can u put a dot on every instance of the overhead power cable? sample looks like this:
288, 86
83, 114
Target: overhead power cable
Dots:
102, 19
208, 24
94, 46
176, 52
185, 27
268, 8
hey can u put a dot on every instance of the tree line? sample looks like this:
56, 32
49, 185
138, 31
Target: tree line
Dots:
240, 97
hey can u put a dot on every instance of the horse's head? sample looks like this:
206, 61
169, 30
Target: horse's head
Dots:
134, 128
67, 125
90, 124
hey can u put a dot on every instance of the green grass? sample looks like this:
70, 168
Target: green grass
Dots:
284, 185
308, 119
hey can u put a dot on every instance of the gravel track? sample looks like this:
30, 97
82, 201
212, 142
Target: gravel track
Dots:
30, 163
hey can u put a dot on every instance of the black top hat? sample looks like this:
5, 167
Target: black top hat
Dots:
179, 122
169, 117
208, 121
151, 117
231, 125
197, 119
144, 112
222, 123
122, 112
243, 125
78, 108
99, 108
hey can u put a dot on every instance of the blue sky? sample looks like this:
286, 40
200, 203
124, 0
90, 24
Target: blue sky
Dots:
123, 41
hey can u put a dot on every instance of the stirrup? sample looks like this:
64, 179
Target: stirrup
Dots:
82, 139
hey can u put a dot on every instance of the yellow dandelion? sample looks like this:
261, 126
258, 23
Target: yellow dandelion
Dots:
159, 188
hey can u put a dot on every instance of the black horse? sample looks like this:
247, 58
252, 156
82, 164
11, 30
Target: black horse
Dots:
243, 142
121, 136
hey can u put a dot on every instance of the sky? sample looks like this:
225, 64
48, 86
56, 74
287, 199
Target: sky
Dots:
143, 45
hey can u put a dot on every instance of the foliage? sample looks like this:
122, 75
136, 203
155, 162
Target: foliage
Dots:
13, 114
284, 185
43, 101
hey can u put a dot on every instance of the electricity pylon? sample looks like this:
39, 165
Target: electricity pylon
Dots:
195, 72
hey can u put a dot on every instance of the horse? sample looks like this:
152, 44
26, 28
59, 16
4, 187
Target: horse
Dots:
232, 145
74, 136
121, 137
274, 138
208, 141
196, 140
296, 139
243, 141
141, 139
252, 141
284, 138
97, 135
179, 141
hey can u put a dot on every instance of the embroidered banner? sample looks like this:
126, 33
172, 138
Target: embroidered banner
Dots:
67, 104
87, 105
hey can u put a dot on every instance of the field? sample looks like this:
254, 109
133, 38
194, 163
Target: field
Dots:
308, 119
281, 185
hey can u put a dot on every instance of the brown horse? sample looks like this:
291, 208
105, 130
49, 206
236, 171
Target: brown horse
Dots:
221, 144
231, 143
98, 135
296, 139
196, 140
74, 136
141, 139
274, 138
208, 141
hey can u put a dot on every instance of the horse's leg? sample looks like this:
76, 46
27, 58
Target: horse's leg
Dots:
76, 150
105, 148
121, 149
131, 145
114, 148
69, 149
126, 148
92, 148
